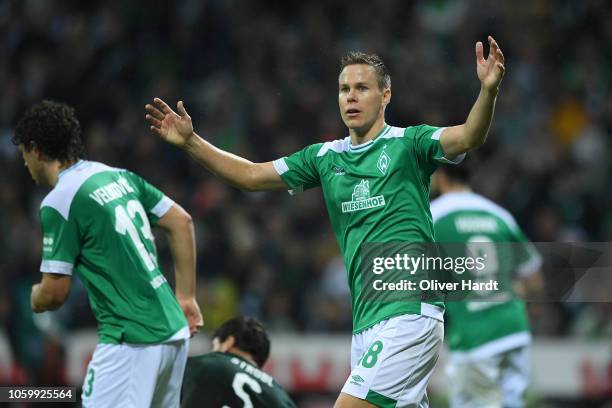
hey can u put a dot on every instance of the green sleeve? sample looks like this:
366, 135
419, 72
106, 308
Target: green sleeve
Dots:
155, 203
299, 170
61, 242
428, 148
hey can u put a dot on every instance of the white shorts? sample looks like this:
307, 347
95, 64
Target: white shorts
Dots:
393, 360
129, 375
492, 382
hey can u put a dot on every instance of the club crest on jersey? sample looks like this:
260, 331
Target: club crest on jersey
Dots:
383, 162
361, 200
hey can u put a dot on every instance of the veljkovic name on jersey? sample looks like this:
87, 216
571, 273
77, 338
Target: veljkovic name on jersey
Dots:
111, 191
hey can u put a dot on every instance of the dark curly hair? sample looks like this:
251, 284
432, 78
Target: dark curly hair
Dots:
250, 336
53, 128
357, 57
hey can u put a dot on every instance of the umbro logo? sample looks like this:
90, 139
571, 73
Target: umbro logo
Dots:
357, 380
338, 171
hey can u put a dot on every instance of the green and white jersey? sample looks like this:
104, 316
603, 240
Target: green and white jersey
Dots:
376, 192
219, 380
97, 222
479, 329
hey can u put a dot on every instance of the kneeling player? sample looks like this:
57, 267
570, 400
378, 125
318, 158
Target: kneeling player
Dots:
231, 375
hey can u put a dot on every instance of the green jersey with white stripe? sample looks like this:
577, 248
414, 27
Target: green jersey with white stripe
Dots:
376, 192
476, 327
97, 222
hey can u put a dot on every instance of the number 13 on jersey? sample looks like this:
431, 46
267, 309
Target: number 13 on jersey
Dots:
124, 225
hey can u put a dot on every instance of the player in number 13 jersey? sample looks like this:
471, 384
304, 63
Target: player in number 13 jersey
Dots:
96, 224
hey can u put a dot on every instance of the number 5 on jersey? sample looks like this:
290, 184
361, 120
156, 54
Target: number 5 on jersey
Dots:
240, 380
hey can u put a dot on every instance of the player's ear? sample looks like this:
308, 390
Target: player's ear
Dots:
386, 96
225, 345
230, 341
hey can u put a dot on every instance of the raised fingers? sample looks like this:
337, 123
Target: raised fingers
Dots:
154, 112
153, 121
479, 52
500, 56
155, 130
180, 106
161, 105
495, 50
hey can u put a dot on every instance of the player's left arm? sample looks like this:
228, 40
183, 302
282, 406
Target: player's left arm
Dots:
178, 225
51, 292
456, 140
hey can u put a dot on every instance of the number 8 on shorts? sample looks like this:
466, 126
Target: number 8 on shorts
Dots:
369, 359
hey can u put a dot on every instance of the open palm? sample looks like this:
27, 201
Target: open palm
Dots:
491, 70
172, 127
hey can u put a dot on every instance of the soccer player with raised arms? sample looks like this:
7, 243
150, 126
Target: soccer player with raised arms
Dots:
96, 223
376, 188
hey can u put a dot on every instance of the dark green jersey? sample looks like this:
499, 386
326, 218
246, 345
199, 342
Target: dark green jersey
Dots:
97, 222
224, 380
376, 192
476, 326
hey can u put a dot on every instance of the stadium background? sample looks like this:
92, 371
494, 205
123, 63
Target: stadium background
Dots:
259, 79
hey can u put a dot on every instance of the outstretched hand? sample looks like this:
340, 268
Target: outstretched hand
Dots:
491, 70
173, 128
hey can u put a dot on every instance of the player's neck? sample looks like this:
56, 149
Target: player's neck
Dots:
359, 136
55, 168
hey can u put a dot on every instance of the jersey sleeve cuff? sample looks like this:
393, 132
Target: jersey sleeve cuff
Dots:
162, 207
455, 160
280, 165
60, 267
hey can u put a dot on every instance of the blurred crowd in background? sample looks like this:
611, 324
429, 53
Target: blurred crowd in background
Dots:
259, 79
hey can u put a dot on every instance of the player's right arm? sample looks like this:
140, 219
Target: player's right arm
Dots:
60, 251
177, 129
